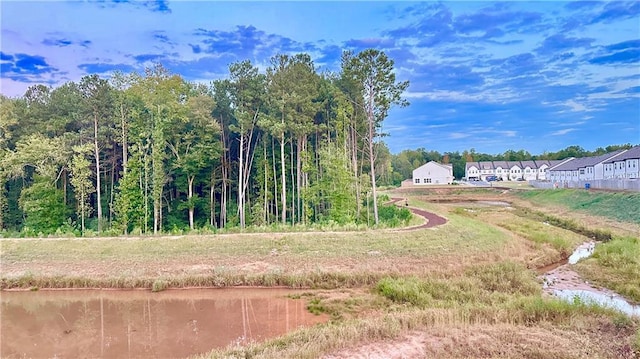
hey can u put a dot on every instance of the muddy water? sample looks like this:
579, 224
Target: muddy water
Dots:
141, 324
562, 281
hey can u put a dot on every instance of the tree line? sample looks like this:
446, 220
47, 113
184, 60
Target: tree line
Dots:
151, 152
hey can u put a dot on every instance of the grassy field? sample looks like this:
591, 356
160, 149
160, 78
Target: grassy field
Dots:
621, 206
464, 289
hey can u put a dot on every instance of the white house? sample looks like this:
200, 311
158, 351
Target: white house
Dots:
501, 170
543, 167
472, 171
625, 165
515, 170
433, 173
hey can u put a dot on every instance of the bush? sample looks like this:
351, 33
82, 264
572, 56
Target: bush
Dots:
393, 216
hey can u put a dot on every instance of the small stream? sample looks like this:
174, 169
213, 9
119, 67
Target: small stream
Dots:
142, 324
563, 282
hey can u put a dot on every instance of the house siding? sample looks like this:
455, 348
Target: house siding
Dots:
433, 173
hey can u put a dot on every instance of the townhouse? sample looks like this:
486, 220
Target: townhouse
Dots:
509, 170
587, 168
623, 165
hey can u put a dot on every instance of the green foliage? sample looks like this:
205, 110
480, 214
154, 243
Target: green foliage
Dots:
618, 266
83, 187
129, 202
43, 206
394, 216
505, 277
487, 284
334, 195
568, 224
159, 285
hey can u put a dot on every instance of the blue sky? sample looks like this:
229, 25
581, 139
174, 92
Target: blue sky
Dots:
492, 76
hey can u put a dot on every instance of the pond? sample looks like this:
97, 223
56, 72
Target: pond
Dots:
142, 324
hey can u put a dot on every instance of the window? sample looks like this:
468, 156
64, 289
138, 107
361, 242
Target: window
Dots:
427, 180
581, 172
417, 180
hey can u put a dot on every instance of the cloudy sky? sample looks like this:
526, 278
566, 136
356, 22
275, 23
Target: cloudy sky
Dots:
492, 76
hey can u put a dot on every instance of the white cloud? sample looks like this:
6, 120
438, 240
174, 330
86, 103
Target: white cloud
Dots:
458, 135
562, 132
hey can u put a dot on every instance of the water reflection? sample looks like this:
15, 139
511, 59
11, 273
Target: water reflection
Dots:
604, 300
140, 324
585, 250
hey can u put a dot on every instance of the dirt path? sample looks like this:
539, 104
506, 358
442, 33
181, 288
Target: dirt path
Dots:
433, 219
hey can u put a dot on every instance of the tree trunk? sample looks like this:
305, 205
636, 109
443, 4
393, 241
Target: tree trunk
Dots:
125, 149
275, 181
223, 195
283, 196
354, 163
212, 201
299, 176
293, 186
372, 158
82, 209
265, 209
97, 155
189, 196
241, 181
146, 192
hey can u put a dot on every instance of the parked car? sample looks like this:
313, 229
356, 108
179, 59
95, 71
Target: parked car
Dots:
492, 178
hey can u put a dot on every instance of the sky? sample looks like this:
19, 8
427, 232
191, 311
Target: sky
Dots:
491, 76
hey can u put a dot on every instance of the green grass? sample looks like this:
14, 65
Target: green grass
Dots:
485, 285
615, 265
564, 223
328, 259
564, 241
619, 206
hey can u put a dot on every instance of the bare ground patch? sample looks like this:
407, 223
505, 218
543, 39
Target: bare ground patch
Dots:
497, 341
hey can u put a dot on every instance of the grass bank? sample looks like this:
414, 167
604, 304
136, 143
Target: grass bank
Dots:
488, 311
615, 265
621, 206
312, 259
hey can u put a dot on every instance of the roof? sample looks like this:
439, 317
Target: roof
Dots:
448, 167
583, 162
514, 163
471, 164
530, 164
632, 153
490, 165
540, 163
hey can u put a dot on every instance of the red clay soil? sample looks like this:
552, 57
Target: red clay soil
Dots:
433, 219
